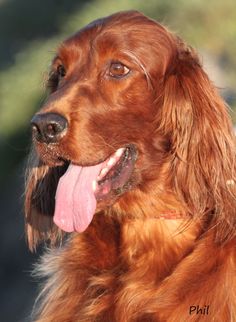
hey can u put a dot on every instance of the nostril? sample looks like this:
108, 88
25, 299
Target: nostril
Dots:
56, 126
52, 129
35, 131
35, 128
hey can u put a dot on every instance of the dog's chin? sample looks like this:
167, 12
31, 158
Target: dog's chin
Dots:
55, 162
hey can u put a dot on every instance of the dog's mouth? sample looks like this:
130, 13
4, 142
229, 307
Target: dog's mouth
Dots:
116, 172
80, 188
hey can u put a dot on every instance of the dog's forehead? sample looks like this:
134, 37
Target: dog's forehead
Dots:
87, 42
121, 24
129, 37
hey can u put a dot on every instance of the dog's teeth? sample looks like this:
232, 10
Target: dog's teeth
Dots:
111, 162
103, 172
94, 185
119, 152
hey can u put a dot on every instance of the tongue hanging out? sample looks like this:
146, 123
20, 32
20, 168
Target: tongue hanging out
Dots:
80, 188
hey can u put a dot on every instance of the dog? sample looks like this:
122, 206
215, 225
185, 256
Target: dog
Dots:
131, 181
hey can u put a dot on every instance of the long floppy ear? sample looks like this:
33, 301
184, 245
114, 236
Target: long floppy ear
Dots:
40, 189
203, 143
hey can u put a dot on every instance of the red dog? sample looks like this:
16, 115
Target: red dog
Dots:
136, 146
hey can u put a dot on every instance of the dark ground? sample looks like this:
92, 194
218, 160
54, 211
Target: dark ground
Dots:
18, 289
21, 21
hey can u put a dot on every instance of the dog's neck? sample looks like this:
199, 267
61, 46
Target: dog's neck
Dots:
168, 234
165, 242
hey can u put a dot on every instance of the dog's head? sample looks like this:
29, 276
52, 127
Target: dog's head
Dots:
130, 113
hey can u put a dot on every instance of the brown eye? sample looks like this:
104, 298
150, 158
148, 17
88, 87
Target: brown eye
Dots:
55, 76
61, 71
118, 70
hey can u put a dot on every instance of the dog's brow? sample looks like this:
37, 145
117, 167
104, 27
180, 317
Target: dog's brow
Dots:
132, 56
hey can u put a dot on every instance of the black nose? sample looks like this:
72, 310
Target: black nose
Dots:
48, 127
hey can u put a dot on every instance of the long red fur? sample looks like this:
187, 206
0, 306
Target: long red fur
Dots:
130, 265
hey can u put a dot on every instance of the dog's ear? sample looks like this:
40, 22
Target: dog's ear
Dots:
202, 142
41, 184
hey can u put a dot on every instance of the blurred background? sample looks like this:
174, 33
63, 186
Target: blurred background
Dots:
29, 34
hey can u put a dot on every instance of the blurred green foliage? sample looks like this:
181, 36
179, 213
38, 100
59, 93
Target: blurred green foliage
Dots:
35, 31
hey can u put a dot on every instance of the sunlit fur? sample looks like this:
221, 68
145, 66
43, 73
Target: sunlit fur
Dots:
130, 265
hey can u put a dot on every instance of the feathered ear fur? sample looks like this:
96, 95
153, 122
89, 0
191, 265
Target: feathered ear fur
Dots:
41, 184
203, 143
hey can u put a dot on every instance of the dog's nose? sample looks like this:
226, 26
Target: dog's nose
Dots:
48, 127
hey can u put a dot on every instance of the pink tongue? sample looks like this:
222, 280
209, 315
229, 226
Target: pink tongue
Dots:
75, 200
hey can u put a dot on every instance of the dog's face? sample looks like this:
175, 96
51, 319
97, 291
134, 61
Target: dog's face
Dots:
101, 93
101, 111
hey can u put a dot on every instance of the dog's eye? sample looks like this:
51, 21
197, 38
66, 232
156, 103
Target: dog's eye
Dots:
61, 71
118, 70
55, 76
